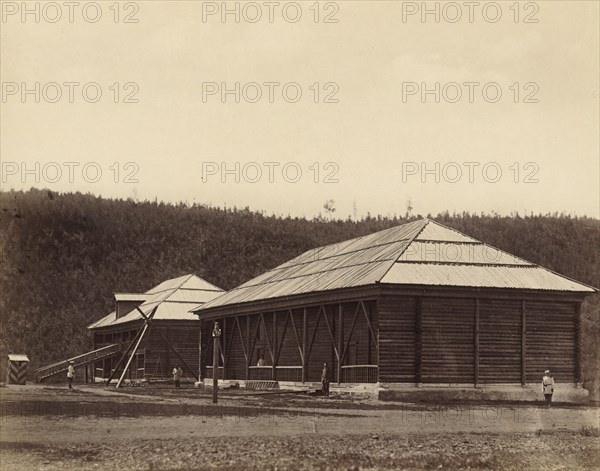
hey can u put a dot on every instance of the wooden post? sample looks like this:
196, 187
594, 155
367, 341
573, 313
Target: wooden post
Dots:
578, 378
216, 352
476, 379
165, 336
200, 378
419, 342
304, 344
274, 346
523, 344
340, 342
249, 359
224, 343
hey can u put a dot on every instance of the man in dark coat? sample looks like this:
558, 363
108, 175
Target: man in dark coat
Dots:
325, 377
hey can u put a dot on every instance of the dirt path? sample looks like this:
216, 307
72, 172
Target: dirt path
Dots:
93, 428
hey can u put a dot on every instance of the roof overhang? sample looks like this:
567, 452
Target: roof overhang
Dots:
374, 291
131, 296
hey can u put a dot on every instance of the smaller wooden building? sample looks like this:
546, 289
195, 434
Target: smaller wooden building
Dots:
154, 359
17, 369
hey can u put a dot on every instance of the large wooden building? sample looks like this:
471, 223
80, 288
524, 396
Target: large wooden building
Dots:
172, 301
415, 304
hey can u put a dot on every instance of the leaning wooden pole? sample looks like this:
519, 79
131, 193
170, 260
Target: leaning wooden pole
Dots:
169, 344
132, 355
122, 359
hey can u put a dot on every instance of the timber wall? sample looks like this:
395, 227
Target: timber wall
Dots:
426, 339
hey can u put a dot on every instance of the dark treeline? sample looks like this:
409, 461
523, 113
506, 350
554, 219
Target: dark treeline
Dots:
64, 255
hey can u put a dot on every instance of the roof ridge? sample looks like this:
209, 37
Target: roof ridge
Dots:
425, 221
453, 230
354, 239
186, 279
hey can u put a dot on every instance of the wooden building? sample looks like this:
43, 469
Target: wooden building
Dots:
154, 359
415, 304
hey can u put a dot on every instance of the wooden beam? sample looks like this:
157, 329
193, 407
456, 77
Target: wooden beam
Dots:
200, 378
271, 352
243, 341
340, 341
523, 343
148, 323
249, 355
145, 329
282, 338
419, 342
476, 340
364, 309
275, 353
304, 343
251, 351
300, 346
350, 333
135, 339
314, 334
331, 336
578, 336
224, 347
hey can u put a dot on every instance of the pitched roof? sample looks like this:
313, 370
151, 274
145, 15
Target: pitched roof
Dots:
422, 252
174, 298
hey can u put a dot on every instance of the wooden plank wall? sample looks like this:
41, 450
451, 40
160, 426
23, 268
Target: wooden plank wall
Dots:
397, 347
160, 359
499, 341
448, 340
550, 342
433, 340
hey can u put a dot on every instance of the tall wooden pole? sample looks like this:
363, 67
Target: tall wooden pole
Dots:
523, 343
340, 342
216, 351
419, 343
304, 344
476, 339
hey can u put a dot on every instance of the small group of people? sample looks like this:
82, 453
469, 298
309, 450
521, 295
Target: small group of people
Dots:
177, 374
547, 380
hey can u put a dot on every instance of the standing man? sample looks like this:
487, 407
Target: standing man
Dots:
548, 387
177, 372
70, 374
325, 380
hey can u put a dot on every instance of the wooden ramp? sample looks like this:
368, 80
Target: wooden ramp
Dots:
262, 385
81, 360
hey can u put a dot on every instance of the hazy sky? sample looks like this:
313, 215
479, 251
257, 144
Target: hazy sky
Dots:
370, 121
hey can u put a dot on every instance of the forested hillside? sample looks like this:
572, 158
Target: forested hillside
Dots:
64, 255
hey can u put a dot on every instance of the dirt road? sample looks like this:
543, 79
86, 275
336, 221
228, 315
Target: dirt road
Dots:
94, 428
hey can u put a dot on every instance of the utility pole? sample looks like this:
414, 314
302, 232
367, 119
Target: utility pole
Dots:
216, 347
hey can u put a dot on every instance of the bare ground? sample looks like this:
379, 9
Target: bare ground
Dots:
50, 428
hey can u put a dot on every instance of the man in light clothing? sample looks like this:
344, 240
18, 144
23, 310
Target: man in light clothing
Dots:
177, 372
70, 374
548, 387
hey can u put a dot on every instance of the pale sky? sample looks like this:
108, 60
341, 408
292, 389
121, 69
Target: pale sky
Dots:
378, 141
